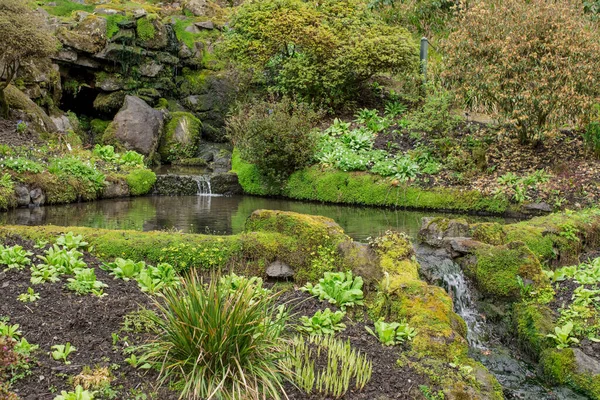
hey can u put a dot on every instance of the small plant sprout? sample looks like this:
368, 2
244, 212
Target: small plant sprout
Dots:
10, 331
29, 297
78, 394
62, 351
562, 336
15, 257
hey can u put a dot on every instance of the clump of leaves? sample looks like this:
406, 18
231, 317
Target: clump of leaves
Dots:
214, 343
85, 282
392, 333
15, 257
339, 288
562, 336
62, 351
124, 269
71, 241
233, 283
323, 322
44, 273
153, 279
29, 297
344, 366
62, 260
78, 394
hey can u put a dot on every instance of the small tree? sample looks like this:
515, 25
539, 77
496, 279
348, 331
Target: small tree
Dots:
537, 61
24, 39
275, 136
318, 51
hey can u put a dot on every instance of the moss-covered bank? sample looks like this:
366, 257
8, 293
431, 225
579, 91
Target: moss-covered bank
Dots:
312, 245
362, 188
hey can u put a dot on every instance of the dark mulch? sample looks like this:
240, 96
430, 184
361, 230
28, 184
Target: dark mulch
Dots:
10, 137
389, 381
87, 322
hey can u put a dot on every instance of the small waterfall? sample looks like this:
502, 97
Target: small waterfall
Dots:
203, 182
438, 267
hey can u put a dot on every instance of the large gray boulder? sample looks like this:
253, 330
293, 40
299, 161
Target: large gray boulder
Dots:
137, 126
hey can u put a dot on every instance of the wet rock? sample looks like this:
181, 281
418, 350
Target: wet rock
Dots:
37, 197
23, 196
109, 103
226, 183
88, 35
137, 126
151, 69
109, 82
139, 13
175, 185
159, 40
537, 208
66, 55
279, 270
459, 246
117, 52
221, 162
205, 25
115, 189
124, 36
196, 103
434, 230
585, 364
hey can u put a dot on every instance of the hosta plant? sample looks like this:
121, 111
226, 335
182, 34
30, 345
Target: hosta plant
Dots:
124, 269
216, 344
153, 279
233, 282
15, 257
63, 260
71, 241
85, 282
323, 322
44, 273
339, 288
392, 333
562, 336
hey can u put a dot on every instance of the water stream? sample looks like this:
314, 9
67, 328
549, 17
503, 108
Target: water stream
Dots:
517, 377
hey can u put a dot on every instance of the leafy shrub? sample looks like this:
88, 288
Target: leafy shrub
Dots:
62, 260
339, 288
323, 322
140, 181
592, 133
71, 241
303, 49
106, 153
538, 78
275, 136
22, 164
344, 365
435, 115
232, 283
15, 257
213, 343
78, 394
154, 279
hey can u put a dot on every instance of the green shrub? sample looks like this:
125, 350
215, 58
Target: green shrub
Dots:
537, 80
299, 48
591, 135
22, 164
214, 343
276, 137
74, 167
140, 181
132, 159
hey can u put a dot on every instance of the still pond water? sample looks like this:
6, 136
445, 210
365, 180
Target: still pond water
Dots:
214, 214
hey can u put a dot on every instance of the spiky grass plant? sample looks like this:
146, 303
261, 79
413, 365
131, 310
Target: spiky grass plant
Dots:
215, 343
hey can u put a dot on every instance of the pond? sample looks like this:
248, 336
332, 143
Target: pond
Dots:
214, 215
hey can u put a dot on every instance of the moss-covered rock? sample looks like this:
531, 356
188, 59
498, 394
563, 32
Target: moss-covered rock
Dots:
181, 138
88, 36
571, 367
532, 322
17, 100
495, 270
140, 181
489, 232
109, 103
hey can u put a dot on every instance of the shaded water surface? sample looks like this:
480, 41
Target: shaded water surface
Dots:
214, 214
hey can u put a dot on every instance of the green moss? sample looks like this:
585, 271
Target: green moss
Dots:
64, 8
188, 38
181, 138
112, 22
362, 188
193, 162
193, 81
109, 102
162, 104
145, 29
490, 233
140, 181
557, 365
99, 126
7, 198
532, 322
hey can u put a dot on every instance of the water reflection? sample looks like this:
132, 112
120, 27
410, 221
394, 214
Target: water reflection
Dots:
206, 214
